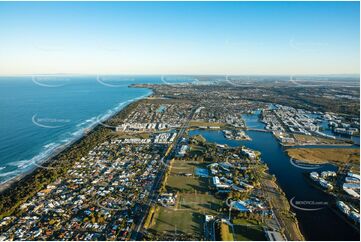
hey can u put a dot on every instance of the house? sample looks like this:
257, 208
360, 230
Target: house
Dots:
354, 216
240, 206
350, 174
248, 152
167, 199
314, 176
208, 218
343, 207
183, 150
217, 183
349, 179
325, 184
326, 174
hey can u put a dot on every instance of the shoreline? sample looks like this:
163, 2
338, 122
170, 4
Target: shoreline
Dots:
7, 184
65, 147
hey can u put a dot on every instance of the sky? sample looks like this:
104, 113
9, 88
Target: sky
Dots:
231, 38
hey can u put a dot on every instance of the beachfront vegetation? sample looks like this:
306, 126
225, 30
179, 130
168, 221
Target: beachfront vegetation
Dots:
21, 190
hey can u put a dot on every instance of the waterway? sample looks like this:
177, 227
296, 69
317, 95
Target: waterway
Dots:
323, 224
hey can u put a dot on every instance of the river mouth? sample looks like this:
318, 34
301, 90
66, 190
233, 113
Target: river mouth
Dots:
314, 209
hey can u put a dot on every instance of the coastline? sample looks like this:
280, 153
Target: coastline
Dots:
104, 127
62, 149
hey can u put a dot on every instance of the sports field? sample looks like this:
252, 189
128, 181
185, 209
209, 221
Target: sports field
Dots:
193, 201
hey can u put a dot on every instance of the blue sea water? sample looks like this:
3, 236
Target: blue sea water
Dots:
38, 115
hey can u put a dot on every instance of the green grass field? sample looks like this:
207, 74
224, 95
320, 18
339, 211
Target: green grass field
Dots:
247, 230
178, 182
193, 202
183, 184
247, 233
185, 221
183, 166
203, 203
188, 215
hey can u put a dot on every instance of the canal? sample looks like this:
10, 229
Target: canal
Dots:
322, 223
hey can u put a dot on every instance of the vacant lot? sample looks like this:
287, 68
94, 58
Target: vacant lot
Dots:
308, 139
339, 156
180, 167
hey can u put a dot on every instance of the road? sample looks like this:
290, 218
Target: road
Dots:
265, 188
136, 234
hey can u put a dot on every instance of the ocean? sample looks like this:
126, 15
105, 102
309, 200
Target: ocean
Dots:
40, 114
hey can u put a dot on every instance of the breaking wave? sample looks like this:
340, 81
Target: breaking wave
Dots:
16, 168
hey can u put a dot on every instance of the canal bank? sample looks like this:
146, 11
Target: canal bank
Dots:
312, 207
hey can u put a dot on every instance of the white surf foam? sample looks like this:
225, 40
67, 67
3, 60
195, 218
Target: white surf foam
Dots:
90, 123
